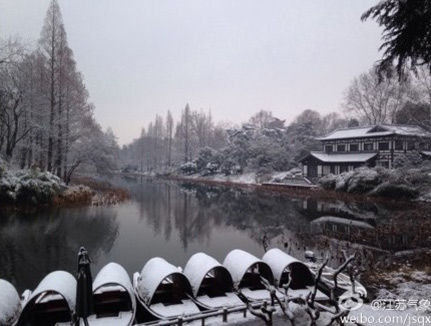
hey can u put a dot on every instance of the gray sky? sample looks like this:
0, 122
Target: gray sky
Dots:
235, 57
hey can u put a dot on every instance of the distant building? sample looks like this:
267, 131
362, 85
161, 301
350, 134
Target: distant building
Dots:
346, 149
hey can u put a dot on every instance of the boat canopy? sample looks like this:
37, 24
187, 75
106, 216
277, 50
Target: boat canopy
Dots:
238, 262
280, 263
9, 303
342, 220
58, 282
199, 265
155, 271
114, 274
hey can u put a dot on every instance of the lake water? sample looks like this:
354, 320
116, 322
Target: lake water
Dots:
176, 220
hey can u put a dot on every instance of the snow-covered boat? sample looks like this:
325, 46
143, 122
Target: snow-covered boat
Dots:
349, 223
114, 298
211, 282
287, 268
163, 290
247, 272
52, 302
10, 304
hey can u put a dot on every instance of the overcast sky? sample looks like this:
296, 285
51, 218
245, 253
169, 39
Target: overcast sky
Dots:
235, 57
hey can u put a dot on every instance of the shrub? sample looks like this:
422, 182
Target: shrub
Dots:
77, 194
408, 160
395, 191
362, 180
206, 155
228, 167
210, 169
328, 182
29, 186
37, 187
341, 181
189, 168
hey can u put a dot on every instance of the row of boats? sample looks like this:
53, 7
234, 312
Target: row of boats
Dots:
162, 291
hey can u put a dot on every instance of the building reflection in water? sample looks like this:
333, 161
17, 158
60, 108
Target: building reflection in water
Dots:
175, 220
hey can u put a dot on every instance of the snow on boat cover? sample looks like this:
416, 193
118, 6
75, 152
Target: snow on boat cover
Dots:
202, 268
156, 273
284, 266
114, 278
56, 285
246, 271
10, 304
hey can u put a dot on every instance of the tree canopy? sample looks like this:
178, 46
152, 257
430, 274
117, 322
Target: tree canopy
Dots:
406, 33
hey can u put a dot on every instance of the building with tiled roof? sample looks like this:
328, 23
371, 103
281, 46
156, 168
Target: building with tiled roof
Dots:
346, 149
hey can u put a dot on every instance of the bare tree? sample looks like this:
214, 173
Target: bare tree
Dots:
50, 42
14, 126
376, 101
169, 135
184, 132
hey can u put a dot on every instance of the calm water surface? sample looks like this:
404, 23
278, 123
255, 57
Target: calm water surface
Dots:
175, 220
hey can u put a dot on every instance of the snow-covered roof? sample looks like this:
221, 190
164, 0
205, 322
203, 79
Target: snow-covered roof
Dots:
341, 220
60, 282
344, 157
153, 273
377, 131
114, 274
238, 262
9, 303
199, 265
279, 261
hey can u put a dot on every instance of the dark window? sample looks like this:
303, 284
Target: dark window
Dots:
399, 145
422, 146
383, 146
343, 168
354, 147
411, 145
341, 148
368, 147
328, 148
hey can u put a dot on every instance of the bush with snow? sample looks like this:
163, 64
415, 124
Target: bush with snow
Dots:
328, 181
408, 160
362, 180
397, 183
189, 168
395, 191
342, 181
206, 156
210, 169
29, 186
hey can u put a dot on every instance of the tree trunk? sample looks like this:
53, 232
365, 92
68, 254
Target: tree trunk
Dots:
67, 140
52, 99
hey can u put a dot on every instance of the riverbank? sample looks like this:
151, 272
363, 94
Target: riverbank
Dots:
31, 189
248, 182
407, 183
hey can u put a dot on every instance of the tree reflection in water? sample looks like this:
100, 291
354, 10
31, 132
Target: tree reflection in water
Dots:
175, 220
32, 245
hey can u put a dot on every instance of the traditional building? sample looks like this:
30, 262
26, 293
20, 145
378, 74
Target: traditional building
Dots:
346, 149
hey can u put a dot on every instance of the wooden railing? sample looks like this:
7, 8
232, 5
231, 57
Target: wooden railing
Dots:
223, 313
